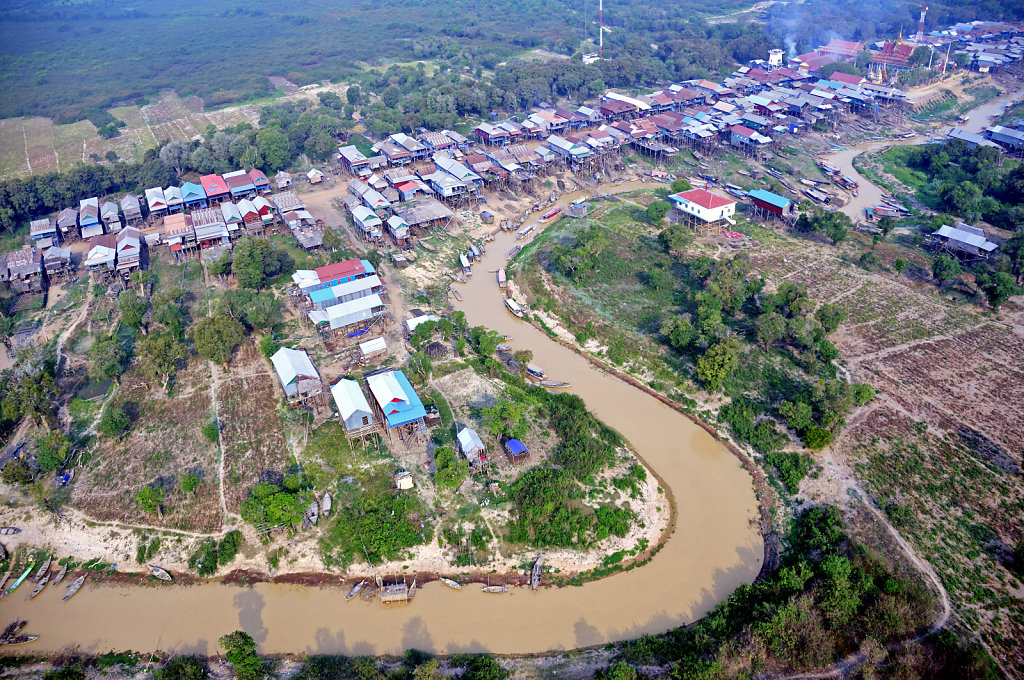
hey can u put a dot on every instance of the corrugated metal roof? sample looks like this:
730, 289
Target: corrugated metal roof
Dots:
291, 364
349, 399
954, 234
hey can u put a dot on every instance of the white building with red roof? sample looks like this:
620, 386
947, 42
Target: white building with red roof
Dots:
707, 207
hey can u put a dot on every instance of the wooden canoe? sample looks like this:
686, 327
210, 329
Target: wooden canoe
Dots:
43, 569
454, 585
9, 531
3, 581
355, 590
22, 639
159, 572
60, 575
555, 384
39, 586
74, 588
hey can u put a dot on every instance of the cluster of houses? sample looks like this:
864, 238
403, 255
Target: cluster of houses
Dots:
344, 300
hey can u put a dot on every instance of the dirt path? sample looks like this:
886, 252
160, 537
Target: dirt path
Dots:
82, 313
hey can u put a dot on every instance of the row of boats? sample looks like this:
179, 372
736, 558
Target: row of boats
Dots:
41, 578
536, 574
12, 634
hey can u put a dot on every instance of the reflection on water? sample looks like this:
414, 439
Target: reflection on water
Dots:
714, 548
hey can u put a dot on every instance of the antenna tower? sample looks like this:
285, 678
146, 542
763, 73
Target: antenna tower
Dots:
600, 28
920, 24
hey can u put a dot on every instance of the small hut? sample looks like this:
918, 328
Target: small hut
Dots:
436, 350
486, 217
516, 451
403, 480
472, 447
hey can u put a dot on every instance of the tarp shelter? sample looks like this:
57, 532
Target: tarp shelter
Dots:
516, 451
352, 406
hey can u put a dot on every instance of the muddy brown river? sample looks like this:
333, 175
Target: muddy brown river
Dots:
714, 548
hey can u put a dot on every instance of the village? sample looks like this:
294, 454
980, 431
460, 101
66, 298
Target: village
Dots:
392, 229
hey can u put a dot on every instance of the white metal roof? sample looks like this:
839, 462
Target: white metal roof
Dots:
349, 398
291, 364
411, 324
371, 346
348, 313
469, 441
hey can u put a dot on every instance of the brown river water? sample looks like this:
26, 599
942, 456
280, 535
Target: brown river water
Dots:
714, 548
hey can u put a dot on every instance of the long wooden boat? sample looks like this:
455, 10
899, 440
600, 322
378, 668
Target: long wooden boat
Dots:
502, 280
412, 589
3, 552
9, 531
537, 572
513, 252
159, 572
21, 578
3, 581
44, 569
454, 585
313, 512
514, 307
456, 294
39, 586
429, 247
555, 384
551, 214
74, 588
326, 504
11, 630
60, 575
355, 590
22, 639
495, 589
503, 348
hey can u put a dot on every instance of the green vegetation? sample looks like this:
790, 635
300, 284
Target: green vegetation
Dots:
181, 668
240, 651
216, 337
451, 469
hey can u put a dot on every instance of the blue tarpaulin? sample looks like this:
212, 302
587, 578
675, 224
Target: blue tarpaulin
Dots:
515, 447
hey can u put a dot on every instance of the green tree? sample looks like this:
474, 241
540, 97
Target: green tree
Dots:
680, 184
150, 498
451, 468
656, 212
189, 482
507, 418
52, 449
677, 238
899, 264
830, 316
659, 279
717, 364
240, 650
216, 337
133, 308
485, 341
228, 547
480, 667
269, 346
420, 366
159, 354
16, 472
107, 358
255, 260
211, 431
770, 328
221, 266
680, 332
114, 422
945, 268
140, 278
353, 94
998, 288
272, 147
816, 438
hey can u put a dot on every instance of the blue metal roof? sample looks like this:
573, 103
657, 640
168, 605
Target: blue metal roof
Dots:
400, 412
367, 267
770, 198
192, 192
515, 447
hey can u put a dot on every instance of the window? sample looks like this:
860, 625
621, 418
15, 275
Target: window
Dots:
366, 420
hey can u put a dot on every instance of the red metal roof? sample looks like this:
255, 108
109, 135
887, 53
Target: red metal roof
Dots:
743, 130
340, 270
894, 54
213, 185
258, 178
616, 106
846, 78
843, 48
705, 199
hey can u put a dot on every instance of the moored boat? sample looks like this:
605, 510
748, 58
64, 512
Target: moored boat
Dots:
514, 307
60, 575
43, 569
412, 589
313, 512
537, 572
457, 295
3, 581
504, 348
355, 590
22, 639
502, 281
12, 630
555, 384
39, 586
159, 572
9, 531
24, 575
535, 372
454, 585
75, 586
495, 589
513, 252
553, 212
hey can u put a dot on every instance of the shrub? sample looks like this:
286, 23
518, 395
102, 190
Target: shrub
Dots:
228, 547
211, 432
816, 438
792, 467
114, 422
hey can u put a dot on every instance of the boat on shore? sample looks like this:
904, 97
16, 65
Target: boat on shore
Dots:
40, 585
3, 581
537, 572
159, 572
326, 503
21, 640
356, 589
555, 384
504, 348
457, 295
12, 630
9, 531
454, 585
514, 307
495, 589
43, 569
513, 252
412, 589
73, 589
60, 575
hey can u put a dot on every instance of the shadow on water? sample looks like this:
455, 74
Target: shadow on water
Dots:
249, 604
417, 635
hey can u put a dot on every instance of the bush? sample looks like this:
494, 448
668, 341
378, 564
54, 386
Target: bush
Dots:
269, 346
816, 438
228, 547
792, 468
204, 559
211, 432
181, 668
114, 422
16, 472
